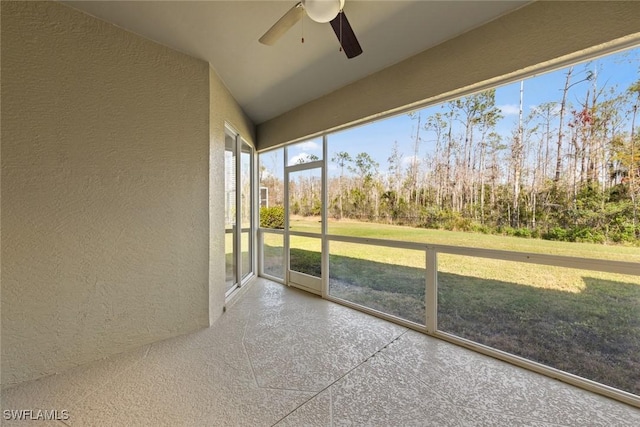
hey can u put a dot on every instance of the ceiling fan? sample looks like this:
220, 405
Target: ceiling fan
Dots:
319, 11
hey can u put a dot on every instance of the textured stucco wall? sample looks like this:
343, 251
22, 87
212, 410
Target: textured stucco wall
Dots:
224, 109
105, 190
513, 44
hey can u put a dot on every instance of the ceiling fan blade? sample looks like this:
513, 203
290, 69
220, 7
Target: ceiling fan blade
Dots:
346, 36
287, 21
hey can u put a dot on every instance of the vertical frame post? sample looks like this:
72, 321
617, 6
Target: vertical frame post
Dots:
285, 258
254, 218
238, 236
324, 218
431, 294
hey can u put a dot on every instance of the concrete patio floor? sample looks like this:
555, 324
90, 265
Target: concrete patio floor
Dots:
283, 357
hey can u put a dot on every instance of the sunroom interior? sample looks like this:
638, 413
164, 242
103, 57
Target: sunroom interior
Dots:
137, 287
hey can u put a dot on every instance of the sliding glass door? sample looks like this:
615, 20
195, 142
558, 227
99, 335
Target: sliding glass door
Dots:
239, 210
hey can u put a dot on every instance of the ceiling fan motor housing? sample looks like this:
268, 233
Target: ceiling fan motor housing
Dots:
322, 10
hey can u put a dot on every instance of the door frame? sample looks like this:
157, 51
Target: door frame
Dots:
237, 230
316, 285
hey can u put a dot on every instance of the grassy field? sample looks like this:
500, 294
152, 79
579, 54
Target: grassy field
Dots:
474, 240
229, 261
583, 322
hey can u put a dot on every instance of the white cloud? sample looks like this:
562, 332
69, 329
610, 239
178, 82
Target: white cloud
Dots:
308, 146
410, 160
509, 109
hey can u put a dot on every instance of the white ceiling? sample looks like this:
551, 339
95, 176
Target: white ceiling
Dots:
270, 80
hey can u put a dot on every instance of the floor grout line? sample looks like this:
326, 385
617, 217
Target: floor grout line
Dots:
330, 408
246, 353
286, 389
342, 376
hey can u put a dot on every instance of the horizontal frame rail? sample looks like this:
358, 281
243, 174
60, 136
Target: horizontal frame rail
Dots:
271, 230
305, 234
592, 264
242, 230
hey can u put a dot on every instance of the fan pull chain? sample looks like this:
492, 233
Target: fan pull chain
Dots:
302, 29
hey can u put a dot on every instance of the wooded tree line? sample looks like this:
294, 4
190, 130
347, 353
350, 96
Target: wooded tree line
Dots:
568, 170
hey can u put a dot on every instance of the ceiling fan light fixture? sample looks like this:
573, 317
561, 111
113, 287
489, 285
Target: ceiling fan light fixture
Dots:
322, 10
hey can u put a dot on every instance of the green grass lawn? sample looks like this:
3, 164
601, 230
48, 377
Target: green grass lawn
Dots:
583, 322
230, 262
478, 240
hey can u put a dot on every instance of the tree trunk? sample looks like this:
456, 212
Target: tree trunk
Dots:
563, 105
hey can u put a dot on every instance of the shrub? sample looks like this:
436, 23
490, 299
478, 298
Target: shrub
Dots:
625, 233
522, 232
454, 221
481, 228
272, 217
429, 218
507, 230
586, 235
556, 233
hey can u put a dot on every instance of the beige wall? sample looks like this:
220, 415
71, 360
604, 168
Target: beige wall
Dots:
513, 44
224, 109
105, 190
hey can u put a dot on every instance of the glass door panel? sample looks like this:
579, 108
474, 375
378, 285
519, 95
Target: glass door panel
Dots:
273, 255
246, 246
230, 211
304, 233
305, 201
239, 209
305, 255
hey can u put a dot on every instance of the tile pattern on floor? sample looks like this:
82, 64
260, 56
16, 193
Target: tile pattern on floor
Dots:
283, 357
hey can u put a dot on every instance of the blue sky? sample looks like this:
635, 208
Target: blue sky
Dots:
618, 70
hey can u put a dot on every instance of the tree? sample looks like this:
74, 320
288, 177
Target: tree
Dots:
307, 158
633, 166
414, 165
342, 159
517, 156
495, 147
366, 168
394, 178
438, 125
542, 116
563, 106
475, 111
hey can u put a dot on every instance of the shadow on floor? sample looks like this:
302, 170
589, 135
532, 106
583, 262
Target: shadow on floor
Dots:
594, 333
